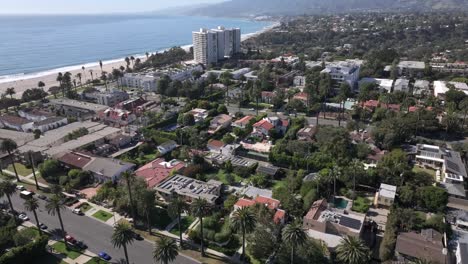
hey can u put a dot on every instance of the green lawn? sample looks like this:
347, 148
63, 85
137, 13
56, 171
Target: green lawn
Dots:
428, 171
102, 215
221, 176
361, 205
278, 184
184, 223
85, 207
21, 169
72, 253
96, 260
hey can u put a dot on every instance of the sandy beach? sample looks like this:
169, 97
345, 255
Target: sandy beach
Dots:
22, 83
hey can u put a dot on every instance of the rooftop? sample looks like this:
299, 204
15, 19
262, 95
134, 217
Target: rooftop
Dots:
190, 187
158, 170
79, 104
412, 64
426, 245
388, 191
14, 120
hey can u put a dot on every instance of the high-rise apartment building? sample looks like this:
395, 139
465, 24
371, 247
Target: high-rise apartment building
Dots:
210, 46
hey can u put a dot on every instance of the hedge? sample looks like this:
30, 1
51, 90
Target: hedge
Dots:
28, 253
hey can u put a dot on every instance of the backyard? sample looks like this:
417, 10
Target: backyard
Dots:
431, 172
361, 205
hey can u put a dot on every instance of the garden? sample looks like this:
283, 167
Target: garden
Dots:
361, 205
102, 215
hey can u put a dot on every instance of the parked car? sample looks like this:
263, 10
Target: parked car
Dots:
42, 197
70, 239
20, 187
81, 245
42, 226
104, 255
70, 201
137, 237
77, 211
23, 217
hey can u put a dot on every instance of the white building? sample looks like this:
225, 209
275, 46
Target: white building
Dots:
385, 84
109, 98
441, 87
210, 46
401, 85
299, 81
344, 71
410, 68
386, 195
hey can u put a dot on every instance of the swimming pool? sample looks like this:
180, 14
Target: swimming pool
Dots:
341, 203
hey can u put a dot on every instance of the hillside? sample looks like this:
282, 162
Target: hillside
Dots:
298, 7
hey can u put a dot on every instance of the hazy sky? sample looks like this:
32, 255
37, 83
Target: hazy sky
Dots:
90, 6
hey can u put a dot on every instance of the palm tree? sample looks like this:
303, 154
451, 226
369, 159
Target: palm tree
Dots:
83, 69
352, 250
122, 236
41, 84
147, 205
53, 207
129, 177
104, 78
133, 60
165, 250
9, 146
10, 91
91, 72
243, 220
200, 209
147, 55
464, 108
31, 160
79, 76
60, 78
176, 207
32, 205
7, 188
295, 236
100, 64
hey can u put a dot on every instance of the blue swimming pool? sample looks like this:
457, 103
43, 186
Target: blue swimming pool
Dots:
341, 203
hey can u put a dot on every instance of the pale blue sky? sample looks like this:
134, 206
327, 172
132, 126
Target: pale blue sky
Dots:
90, 6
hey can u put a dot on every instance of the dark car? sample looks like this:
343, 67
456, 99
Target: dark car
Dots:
104, 255
81, 245
42, 226
42, 197
70, 239
137, 237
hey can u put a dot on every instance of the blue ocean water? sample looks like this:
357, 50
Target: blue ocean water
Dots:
32, 44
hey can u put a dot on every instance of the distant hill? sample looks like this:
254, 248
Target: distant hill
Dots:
298, 7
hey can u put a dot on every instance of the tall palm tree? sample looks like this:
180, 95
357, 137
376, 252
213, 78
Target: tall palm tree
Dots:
7, 188
295, 236
352, 250
83, 69
147, 203
129, 177
100, 64
165, 250
104, 78
91, 72
243, 220
53, 207
176, 206
122, 236
147, 55
60, 78
200, 209
31, 160
9, 146
79, 76
10, 91
32, 205
133, 60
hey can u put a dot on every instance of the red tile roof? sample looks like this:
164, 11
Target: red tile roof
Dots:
315, 210
75, 160
242, 202
213, 143
284, 122
268, 94
264, 124
279, 216
158, 170
371, 104
301, 96
270, 202
244, 121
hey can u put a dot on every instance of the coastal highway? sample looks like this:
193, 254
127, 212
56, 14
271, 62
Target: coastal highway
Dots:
95, 234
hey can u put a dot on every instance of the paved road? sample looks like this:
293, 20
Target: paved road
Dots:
95, 234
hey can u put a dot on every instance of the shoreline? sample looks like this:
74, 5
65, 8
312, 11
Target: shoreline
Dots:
22, 82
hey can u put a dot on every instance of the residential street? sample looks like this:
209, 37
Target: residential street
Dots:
95, 234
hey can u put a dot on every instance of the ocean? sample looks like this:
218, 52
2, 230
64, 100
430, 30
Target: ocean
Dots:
40, 45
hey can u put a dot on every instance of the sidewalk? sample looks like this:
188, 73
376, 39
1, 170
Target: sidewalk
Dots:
28, 179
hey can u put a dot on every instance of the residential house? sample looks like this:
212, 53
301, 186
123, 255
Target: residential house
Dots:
299, 81
243, 122
263, 127
237, 75
189, 189
428, 245
199, 114
411, 68
120, 141
267, 97
330, 225
270, 203
441, 87
49, 124
302, 96
306, 133
117, 117
158, 170
17, 123
109, 98
34, 114
268, 123
401, 85
215, 146
268, 170
78, 109
251, 76
421, 87
344, 72
167, 147
385, 197
219, 122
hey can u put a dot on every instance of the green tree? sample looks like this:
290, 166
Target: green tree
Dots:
31, 161
243, 220
32, 205
188, 119
165, 250
147, 203
176, 206
201, 208
295, 236
432, 198
53, 207
10, 91
7, 188
352, 250
10, 146
122, 236
129, 177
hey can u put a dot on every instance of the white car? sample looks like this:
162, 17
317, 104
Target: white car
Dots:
20, 187
23, 217
77, 211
